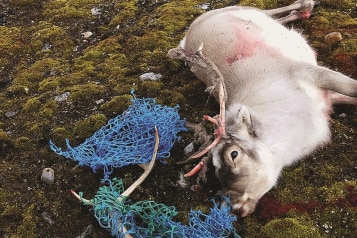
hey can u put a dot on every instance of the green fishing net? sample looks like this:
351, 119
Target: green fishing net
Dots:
150, 219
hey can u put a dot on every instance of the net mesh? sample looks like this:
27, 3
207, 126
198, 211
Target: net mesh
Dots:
128, 138
150, 219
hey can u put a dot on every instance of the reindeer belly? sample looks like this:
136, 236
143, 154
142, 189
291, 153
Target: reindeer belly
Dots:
233, 36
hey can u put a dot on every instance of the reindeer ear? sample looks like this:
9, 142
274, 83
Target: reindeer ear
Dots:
244, 121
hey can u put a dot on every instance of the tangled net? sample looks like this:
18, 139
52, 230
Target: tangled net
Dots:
150, 219
128, 138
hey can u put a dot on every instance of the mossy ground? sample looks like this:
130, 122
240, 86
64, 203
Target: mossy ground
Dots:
44, 53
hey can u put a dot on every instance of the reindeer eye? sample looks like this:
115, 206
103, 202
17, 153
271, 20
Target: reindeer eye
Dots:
234, 154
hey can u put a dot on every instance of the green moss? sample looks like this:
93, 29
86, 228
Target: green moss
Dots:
6, 142
49, 84
126, 13
151, 50
150, 88
22, 2
184, 12
115, 65
31, 105
38, 130
117, 104
299, 227
85, 129
58, 135
336, 191
68, 10
104, 61
337, 221
292, 188
46, 67
76, 78
344, 5
222, 3
49, 109
83, 94
124, 86
12, 46
8, 210
346, 45
261, 4
106, 47
23, 143
320, 20
337, 19
171, 98
203, 208
27, 228
51, 40
18, 89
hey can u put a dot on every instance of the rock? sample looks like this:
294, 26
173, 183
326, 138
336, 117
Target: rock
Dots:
63, 97
48, 175
333, 37
95, 11
10, 114
188, 149
150, 76
183, 182
99, 101
47, 218
87, 34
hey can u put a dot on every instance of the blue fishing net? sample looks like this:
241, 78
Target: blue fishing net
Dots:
128, 138
150, 219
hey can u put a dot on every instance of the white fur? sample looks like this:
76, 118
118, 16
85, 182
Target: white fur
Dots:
272, 72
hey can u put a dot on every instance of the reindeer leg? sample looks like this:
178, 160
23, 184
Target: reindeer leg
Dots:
338, 98
300, 10
300, 5
294, 16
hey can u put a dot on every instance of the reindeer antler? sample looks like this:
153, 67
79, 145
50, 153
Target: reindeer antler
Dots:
195, 60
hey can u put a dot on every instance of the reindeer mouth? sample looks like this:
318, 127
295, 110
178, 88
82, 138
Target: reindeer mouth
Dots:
245, 208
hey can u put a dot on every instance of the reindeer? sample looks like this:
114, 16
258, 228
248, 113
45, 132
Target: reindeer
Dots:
274, 99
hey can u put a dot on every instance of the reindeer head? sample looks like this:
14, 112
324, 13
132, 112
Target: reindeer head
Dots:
244, 166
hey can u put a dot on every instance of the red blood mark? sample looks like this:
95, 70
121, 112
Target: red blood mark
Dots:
246, 41
352, 195
269, 208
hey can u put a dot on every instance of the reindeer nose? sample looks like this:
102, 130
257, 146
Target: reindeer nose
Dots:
243, 210
243, 206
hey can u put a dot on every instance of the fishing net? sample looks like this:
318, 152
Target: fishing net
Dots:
128, 138
150, 219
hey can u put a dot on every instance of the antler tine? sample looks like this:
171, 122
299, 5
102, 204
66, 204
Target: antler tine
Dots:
220, 123
147, 168
128, 191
